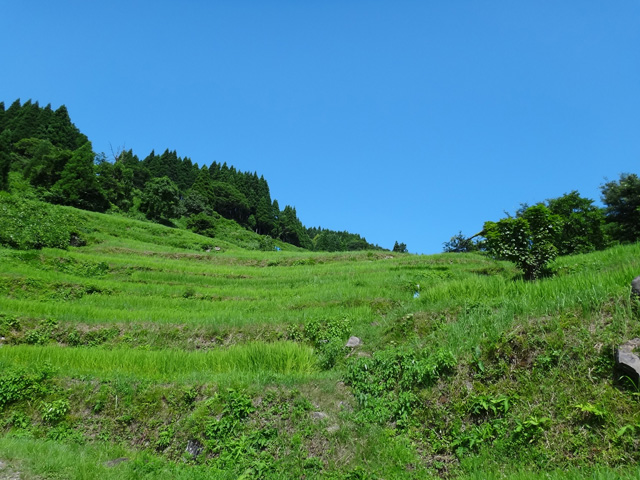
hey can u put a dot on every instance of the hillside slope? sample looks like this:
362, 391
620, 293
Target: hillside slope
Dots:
149, 344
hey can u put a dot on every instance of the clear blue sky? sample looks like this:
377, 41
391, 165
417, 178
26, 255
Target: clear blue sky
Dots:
397, 120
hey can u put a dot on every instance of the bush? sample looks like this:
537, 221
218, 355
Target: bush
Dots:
202, 224
527, 240
328, 338
55, 411
28, 224
18, 384
267, 244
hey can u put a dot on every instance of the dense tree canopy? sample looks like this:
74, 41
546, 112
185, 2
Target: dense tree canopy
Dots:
49, 151
291, 229
78, 185
400, 247
332, 241
160, 199
29, 120
582, 228
116, 181
5, 158
461, 244
622, 200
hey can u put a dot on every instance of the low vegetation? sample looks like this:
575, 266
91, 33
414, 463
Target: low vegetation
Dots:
143, 351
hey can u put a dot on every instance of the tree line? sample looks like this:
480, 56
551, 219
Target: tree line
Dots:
43, 148
566, 225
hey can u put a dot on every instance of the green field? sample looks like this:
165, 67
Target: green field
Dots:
149, 339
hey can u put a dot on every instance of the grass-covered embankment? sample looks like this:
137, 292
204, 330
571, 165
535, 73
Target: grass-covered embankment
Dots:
141, 343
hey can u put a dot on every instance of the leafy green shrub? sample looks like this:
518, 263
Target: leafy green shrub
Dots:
592, 414
37, 337
328, 338
8, 323
322, 332
527, 240
530, 429
55, 411
28, 224
330, 353
18, 384
202, 224
76, 267
164, 438
488, 405
189, 395
266, 243
477, 435
19, 420
238, 405
386, 384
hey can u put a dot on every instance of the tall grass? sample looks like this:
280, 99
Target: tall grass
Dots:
486, 306
253, 359
195, 290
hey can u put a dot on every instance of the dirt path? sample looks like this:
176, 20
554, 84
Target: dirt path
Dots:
7, 473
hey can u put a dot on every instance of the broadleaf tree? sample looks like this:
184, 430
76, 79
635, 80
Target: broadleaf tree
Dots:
527, 240
160, 199
78, 185
582, 224
622, 200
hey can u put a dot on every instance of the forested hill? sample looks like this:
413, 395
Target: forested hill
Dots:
42, 149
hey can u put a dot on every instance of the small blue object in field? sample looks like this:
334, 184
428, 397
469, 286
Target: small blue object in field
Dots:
416, 294
277, 249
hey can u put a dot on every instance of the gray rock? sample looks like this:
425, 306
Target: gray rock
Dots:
116, 461
354, 342
7, 473
635, 287
194, 447
627, 361
318, 415
76, 241
333, 428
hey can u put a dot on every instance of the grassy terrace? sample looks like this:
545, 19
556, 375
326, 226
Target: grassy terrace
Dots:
149, 339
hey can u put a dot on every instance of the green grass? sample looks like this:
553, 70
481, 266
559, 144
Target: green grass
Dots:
86, 462
143, 312
253, 359
35, 459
